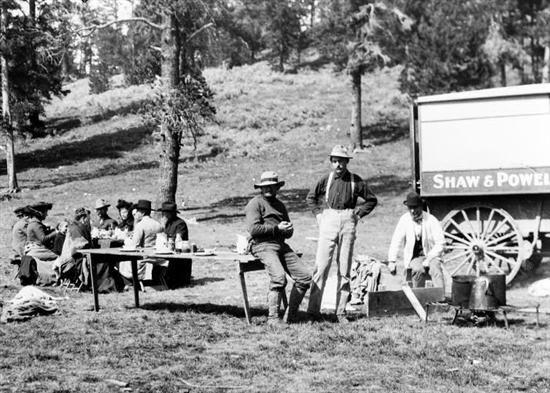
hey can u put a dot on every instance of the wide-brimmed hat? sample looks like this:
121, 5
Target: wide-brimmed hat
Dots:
41, 206
23, 210
81, 212
101, 203
168, 207
413, 200
121, 203
269, 178
340, 151
143, 204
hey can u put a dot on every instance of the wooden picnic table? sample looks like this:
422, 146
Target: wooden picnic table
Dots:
244, 263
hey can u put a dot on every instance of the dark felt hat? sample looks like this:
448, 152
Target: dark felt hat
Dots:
143, 204
413, 200
121, 203
81, 212
41, 206
23, 210
168, 207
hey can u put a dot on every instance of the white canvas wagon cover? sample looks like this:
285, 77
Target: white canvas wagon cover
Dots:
492, 141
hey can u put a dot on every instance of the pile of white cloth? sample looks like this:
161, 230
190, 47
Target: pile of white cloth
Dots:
30, 301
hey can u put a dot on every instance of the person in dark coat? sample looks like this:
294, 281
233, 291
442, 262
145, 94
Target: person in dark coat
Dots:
105, 222
40, 237
171, 222
178, 272
126, 218
19, 232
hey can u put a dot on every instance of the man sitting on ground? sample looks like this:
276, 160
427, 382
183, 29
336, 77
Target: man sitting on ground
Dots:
424, 241
269, 225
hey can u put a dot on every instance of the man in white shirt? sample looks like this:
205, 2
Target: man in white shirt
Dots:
424, 242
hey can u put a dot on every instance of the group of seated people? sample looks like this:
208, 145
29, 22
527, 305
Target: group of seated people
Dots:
54, 250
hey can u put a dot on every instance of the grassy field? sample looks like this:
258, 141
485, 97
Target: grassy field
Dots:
195, 339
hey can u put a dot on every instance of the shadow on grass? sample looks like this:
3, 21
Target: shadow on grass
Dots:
108, 146
204, 308
232, 209
384, 131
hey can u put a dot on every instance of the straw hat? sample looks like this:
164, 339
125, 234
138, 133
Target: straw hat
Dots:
101, 203
269, 178
340, 151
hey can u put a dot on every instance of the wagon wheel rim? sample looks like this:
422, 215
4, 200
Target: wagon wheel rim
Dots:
482, 239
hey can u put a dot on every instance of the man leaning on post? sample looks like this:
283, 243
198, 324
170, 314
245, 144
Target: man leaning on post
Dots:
269, 225
334, 202
424, 240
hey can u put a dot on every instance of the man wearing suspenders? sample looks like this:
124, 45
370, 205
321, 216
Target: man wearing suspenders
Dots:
334, 202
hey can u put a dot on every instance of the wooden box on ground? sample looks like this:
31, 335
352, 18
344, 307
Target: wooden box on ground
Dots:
395, 302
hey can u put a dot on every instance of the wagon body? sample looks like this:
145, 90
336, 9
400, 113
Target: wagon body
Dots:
483, 157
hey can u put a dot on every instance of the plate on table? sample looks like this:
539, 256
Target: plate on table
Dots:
163, 252
205, 253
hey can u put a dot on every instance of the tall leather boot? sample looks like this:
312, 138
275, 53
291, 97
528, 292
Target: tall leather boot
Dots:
273, 302
296, 296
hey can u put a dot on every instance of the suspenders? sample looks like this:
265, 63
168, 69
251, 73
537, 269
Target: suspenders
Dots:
329, 182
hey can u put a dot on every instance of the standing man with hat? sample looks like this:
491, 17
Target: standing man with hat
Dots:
333, 200
105, 222
269, 226
424, 240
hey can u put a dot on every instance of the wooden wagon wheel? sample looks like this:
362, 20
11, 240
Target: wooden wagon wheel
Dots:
482, 238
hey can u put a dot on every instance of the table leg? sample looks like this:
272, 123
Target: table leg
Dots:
537, 311
245, 295
135, 281
505, 319
93, 277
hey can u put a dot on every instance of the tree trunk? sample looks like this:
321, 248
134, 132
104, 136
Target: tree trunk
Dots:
311, 13
171, 139
6, 115
356, 137
34, 111
546, 68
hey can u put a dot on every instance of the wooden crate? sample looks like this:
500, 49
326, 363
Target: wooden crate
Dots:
395, 302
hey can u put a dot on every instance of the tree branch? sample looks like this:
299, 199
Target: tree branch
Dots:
206, 26
103, 26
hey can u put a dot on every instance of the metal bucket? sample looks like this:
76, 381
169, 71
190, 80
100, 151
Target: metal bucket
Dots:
488, 292
461, 289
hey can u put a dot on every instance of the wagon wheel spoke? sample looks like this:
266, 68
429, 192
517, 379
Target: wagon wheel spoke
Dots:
457, 256
462, 241
467, 219
508, 261
455, 247
504, 249
478, 222
500, 239
492, 263
496, 229
489, 221
461, 231
456, 269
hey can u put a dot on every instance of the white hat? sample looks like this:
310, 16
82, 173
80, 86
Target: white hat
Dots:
269, 178
340, 151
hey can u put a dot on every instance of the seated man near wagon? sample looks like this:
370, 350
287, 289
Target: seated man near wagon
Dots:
269, 226
423, 240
